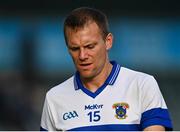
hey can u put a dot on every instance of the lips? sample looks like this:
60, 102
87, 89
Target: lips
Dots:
85, 65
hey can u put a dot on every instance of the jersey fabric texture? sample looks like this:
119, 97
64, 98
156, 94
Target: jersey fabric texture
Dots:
128, 100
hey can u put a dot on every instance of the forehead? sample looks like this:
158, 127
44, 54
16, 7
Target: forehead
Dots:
89, 31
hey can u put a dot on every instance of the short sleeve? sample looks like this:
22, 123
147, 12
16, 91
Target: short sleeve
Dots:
153, 106
47, 123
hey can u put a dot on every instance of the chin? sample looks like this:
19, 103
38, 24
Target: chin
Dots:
86, 75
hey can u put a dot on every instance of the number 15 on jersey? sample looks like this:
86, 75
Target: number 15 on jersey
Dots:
94, 116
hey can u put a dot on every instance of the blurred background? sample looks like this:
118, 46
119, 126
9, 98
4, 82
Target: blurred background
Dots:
34, 58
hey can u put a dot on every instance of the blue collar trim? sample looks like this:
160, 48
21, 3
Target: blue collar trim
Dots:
109, 81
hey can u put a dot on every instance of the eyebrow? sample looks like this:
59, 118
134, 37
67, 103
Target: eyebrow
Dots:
73, 45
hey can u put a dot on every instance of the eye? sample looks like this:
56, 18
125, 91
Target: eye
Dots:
73, 48
91, 46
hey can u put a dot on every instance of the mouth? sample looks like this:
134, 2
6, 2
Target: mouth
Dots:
85, 65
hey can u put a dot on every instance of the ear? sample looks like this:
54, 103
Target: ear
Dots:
109, 41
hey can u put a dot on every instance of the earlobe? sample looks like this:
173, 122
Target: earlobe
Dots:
109, 41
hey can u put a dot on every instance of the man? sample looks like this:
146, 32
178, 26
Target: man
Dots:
101, 95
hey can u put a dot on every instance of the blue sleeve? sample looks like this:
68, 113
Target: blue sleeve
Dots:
156, 116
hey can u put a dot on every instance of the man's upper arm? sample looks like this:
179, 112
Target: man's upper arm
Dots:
155, 114
155, 128
47, 118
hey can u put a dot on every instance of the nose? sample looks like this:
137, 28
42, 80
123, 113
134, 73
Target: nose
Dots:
83, 54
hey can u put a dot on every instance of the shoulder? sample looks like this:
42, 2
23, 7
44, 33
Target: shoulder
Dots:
135, 74
140, 79
64, 88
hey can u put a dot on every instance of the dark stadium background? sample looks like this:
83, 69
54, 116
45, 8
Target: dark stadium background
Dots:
34, 58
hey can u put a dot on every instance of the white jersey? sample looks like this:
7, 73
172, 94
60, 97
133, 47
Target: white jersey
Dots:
128, 100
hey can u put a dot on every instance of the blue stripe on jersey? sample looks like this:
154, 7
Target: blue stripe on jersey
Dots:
109, 81
42, 129
111, 127
75, 82
113, 78
156, 116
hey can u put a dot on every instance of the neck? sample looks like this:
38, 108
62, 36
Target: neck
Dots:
94, 83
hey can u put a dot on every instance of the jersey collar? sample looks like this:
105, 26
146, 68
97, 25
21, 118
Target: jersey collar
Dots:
109, 81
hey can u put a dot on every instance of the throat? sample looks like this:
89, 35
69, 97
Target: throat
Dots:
92, 87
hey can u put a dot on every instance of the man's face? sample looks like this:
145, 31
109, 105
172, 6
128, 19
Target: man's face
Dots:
88, 49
